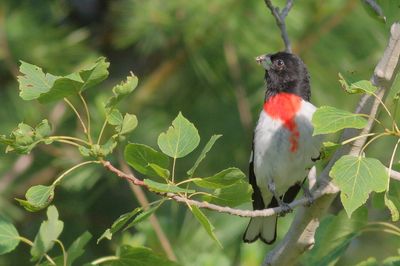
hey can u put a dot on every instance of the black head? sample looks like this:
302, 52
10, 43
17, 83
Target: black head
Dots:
285, 72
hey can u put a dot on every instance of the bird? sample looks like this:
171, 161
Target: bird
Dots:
283, 148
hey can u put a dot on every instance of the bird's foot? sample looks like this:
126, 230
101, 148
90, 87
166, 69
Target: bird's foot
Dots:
285, 208
308, 196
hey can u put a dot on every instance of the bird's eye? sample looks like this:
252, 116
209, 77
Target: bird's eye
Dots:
279, 64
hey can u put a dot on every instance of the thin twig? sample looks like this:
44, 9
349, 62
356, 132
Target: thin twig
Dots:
280, 20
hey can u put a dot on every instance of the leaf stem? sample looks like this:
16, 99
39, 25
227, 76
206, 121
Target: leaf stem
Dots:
70, 138
102, 130
381, 230
371, 140
67, 142
187, 180
391, 163
393, 227
77, 114
30, 243
63, 251
200, 193
58, 180
357, 137
173, 170
87, 116
104, 259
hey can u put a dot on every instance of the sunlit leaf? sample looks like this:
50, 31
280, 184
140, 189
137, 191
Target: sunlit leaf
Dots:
115, 118
180, 139
203, 220
35, 84
232, 195
357, 177
128, 124
160, 187
9, 237
37, 197
330, 120
203, 153
222, 179
161, 172
118, 224
140, 157
49, 231
122, 90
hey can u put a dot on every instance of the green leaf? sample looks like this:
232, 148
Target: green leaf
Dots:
362, 86
203, 220
118, 224
160, 187
9, 237
139, 256
140, 157
231, 196
180, 139
108, 147
49, 231
203, 153
330, 120
357, 177
143, 215
35, 84
115, 118
222, 179
333, 236
392, 200
161, 172
122, 90
84, 151
369, 262
43, 129
128, 124
94, 74
77, 247
38, 197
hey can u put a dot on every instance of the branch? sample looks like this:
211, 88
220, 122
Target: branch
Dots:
300, 237
280, 20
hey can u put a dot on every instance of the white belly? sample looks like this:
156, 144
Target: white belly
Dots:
274, 158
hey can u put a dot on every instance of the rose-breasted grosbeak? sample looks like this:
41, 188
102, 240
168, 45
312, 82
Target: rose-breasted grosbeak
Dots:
283, 146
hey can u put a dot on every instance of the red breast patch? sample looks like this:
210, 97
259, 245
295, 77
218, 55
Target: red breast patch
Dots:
284, 106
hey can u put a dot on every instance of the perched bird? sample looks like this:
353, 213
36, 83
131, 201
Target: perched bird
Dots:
284, 148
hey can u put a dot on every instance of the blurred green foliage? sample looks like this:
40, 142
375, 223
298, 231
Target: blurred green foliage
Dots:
191, 56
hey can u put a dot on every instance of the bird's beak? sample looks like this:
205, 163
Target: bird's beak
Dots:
264, 60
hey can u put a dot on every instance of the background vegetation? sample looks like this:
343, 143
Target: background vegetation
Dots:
191, 56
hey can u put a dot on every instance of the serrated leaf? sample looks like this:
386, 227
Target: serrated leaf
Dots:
9, 237
140, 156
108, 147
333, 236
203, 154
118, 224
180, 139
139, 256
84, 151
203, 220
38, 197
392, 208
115, 118
35, 84
76, 249
231, 196
357, 177
128, 124
49, 231
368, 262
222, 179
122, 90
330, 120
143, 215
160, 187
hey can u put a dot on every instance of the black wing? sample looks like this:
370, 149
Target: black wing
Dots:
258, 203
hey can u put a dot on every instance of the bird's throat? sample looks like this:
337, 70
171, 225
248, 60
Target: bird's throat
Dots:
284, 107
